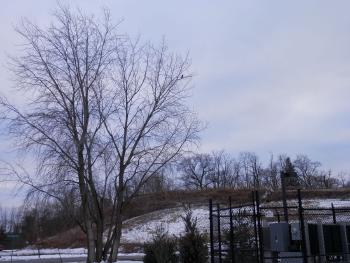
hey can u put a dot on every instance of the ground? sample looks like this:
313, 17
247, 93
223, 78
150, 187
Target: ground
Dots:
140, 229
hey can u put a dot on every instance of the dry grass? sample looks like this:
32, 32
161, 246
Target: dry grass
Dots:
165, 200
73, 238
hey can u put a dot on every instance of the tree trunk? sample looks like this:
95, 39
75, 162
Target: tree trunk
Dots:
90, 243
116, 240
99, 241
91, 246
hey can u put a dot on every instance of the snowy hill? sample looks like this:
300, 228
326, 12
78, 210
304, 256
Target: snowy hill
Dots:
141, 229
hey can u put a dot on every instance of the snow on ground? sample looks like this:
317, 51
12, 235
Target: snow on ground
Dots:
327, 203
41, 257
47, 251
322, 203
28, 254
141, 229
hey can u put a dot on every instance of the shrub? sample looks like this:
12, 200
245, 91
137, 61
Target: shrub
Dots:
193, 245
161, 250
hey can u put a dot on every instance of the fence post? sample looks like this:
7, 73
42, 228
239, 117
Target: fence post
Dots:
59, 253
211, 226
302, 227
255, 228
219, 232
334, 215
231, 233
261, 245
278, 216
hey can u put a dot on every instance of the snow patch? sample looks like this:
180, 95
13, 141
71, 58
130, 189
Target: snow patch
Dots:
141, 229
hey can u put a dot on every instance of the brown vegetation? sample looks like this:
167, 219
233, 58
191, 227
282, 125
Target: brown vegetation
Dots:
147, 203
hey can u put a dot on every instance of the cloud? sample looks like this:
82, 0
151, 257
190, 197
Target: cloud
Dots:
269, 75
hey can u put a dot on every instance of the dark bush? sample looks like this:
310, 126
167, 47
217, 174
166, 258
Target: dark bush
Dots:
161, 250
193, 245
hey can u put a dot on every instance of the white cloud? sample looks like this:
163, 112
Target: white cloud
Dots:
270, 75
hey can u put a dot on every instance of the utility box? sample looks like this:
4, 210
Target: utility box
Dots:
266, 238
345, 241
279, 237
295, 231
314, 239
332, 239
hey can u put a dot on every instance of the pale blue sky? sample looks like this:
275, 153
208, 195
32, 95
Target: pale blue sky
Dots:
270, 76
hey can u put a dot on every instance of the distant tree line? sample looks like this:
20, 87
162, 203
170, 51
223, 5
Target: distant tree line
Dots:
223, 170
40, 219
34, 222
9, 221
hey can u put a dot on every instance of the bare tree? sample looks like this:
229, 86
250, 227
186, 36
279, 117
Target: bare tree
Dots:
224, 166
196, 170
271, 175
63, 68
4, 220
251, 169
162, 181
236, 174
103, 112
282, 160
343, 178
147, 122
245, 169
325, 179
307, 170
256, 169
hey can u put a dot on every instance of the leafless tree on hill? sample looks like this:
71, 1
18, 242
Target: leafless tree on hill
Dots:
251, 169
196, 171
343, 178
223, 175
307, 170
271, 175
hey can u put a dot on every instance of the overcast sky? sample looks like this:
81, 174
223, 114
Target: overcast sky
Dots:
270, 76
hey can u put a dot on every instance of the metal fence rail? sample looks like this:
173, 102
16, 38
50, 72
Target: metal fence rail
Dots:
242, 234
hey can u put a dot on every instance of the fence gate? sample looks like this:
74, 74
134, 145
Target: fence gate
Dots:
271, 233
233, 232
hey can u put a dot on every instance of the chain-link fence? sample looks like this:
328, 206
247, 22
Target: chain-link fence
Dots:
301, 232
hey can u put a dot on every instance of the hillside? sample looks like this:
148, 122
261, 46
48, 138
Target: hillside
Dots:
147, 213
153, 202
